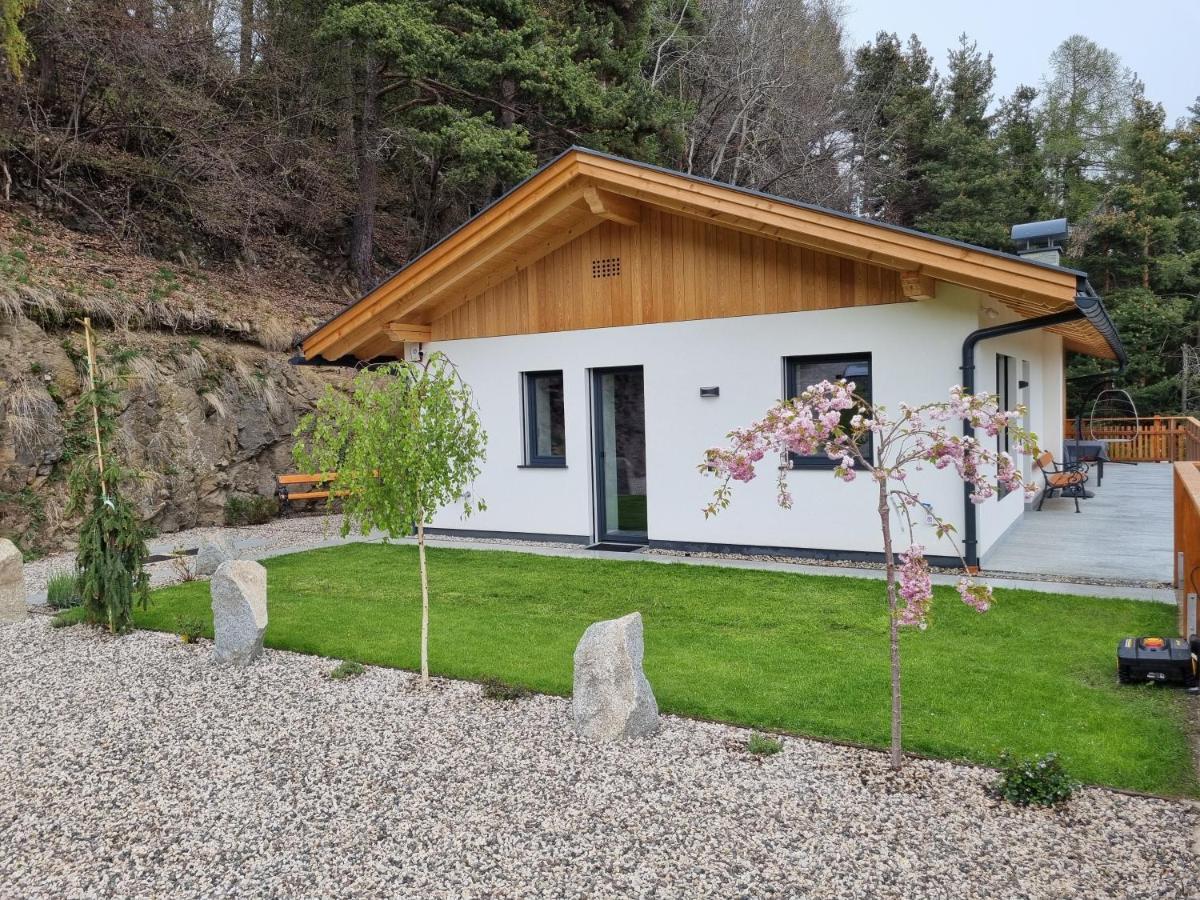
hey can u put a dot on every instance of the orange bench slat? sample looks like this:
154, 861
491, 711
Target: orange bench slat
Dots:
307, 479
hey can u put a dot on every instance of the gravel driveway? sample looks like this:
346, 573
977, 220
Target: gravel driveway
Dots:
131, 767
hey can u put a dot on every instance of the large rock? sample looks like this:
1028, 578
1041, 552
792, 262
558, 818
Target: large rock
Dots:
239, 605
213, 551
12, 584
611, 697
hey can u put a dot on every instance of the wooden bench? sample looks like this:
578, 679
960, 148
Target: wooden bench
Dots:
303, 487
1068, 479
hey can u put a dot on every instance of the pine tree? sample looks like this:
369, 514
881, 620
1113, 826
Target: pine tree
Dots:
459, 101
111, 557
1026, 190
1142, 250
963, 170
898, 107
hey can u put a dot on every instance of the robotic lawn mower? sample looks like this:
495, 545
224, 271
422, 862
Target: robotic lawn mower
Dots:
1163, 660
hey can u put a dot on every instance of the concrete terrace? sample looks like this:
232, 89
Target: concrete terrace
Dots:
1124, 533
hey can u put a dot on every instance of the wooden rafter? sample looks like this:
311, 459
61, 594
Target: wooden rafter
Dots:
613, 207
917, 286
409, 332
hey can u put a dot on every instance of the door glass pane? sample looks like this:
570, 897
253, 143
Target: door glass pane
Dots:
623, 453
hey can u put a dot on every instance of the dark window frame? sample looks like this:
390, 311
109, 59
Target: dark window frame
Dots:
533, 459
791, 390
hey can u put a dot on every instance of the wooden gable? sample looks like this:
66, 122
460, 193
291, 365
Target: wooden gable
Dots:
668, 247
668, 269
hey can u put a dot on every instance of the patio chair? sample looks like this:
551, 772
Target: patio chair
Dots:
1067, 479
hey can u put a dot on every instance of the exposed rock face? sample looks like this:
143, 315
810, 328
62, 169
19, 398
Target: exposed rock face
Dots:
239, 605
611, 697
212, 553
202, 419
12, 584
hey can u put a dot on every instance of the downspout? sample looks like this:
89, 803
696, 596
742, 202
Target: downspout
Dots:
1088, 305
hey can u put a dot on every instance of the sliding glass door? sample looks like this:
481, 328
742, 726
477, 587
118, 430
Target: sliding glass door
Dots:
619, 402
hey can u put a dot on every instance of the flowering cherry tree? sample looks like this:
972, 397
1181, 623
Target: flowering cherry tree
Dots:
863, 439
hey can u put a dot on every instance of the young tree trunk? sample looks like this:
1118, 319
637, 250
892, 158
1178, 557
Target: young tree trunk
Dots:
246, 37
362, 228
424, 599
894, 626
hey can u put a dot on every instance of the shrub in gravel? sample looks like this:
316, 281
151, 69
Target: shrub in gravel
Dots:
65, 619
347, 668
254, 510
62, 591
495, 689
1033, 782
764, 745
189, 629
112, 552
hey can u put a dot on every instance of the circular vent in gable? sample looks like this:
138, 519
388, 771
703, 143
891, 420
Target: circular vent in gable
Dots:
606, 268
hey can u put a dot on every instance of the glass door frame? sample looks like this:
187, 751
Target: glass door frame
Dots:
603, 532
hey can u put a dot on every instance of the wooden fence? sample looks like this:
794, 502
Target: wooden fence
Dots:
1187, 544
1153, 439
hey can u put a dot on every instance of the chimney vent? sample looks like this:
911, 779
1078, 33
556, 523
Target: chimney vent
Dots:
1041, 241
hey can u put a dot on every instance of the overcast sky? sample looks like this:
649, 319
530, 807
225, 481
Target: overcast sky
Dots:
1158, 39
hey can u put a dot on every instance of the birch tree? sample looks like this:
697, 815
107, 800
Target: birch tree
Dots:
405, 441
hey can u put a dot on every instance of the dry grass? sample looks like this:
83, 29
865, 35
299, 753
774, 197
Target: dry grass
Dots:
19, 300
61, 275
192, 365
259, 382
144, 370
31, 415
11, 309
216, 403
275, 335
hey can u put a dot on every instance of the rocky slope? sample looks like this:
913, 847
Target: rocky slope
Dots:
210, 400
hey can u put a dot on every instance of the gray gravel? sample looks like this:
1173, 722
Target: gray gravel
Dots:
131, 767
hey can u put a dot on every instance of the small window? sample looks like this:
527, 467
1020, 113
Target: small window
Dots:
545, 421
801, 371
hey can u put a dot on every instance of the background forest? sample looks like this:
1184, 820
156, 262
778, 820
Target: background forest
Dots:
351, 135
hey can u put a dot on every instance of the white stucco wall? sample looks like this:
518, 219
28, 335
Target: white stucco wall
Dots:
1043, 353
915, 351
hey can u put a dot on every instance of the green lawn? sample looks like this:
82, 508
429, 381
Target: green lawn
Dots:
798, 653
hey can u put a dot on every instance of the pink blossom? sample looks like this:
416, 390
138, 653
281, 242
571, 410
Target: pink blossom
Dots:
915, 587
977, 596
812, 424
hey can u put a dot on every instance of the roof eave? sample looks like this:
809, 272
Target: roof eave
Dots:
1092, 306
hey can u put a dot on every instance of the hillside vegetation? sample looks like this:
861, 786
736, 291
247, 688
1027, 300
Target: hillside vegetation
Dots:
210, 401
228, 173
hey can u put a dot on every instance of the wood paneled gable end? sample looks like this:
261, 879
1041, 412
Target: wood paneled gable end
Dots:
592, 241
669, 269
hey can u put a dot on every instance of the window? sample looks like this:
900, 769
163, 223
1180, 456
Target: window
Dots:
1006, 376
1006, 392
545, 421
801, 371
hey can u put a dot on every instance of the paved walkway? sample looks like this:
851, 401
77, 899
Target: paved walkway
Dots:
1125, 532
310, 533
1027, 584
